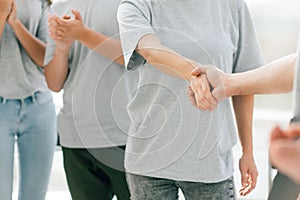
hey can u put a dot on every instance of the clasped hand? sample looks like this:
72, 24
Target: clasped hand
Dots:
207, 87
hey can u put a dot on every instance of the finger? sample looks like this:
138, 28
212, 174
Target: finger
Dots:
57, 33
77, 14
66, 17
206, 88
191, 96
199, 70
277, 133
293, 130
61, 21
206, 95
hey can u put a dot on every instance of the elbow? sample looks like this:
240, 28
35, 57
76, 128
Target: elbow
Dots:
54, 86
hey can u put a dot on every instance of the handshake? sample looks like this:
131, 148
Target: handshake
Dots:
209, 86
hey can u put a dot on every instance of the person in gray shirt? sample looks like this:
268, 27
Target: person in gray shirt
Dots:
27, 112
84, 58
172, 145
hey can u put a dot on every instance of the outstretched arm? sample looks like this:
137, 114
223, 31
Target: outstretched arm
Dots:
173, 64
275, 77
34, 47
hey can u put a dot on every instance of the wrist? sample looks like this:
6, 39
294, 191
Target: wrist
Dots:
15, 24
231, 85
82, 33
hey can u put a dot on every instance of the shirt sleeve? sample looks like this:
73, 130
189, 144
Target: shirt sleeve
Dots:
248, 55
134, 19
42, 30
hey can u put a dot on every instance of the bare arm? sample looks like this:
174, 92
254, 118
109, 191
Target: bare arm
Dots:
276, 77
76, 30
56, 72
173, 64
34, 47
5, 9
243, 107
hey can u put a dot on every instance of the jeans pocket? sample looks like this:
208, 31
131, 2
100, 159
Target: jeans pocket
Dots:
42, 98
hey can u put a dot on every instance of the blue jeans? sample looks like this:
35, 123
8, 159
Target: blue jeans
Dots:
32, 123
149, 188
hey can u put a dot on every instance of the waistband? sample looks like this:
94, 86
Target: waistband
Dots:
31, 98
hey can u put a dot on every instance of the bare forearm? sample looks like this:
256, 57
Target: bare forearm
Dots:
2, 27
276, 77
34, 47
102, 44
243, 108
56, 71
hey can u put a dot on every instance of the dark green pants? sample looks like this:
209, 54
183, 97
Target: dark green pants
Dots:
96, 174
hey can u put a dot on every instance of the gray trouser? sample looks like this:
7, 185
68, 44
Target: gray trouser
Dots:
149, 188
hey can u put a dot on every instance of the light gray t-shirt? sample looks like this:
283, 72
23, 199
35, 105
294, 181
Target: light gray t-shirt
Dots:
19, 75
297, 87
168, 137
94, 101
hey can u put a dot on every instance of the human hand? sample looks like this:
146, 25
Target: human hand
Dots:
285, 151
62, 44
199, 93
248, 172
5, 9
67, 28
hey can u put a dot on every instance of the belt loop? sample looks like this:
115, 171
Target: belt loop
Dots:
34, 98
4, 100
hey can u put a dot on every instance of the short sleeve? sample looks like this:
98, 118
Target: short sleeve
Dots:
248, 55
42, 30
134, 19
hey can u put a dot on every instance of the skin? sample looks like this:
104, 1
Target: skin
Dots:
34, 47
175, 65
267, 79
285, 149
64, 31
5, 9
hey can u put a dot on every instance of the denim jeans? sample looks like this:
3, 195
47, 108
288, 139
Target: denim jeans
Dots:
149, 188
31, 124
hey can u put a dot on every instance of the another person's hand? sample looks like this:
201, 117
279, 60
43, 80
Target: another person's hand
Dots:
67, 28
200, 95
5, 9
285, 150
248, 172
61, 43
217, 79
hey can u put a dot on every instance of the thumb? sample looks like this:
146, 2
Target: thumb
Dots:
77, 14
219, 94
199, 70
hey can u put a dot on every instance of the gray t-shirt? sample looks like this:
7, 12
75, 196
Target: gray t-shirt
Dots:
297, 88
19, 75
168, 137
94, 101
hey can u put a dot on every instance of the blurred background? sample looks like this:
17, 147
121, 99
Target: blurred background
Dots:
277, 23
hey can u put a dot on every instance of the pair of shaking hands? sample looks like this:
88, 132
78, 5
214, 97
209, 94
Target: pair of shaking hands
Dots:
208, 87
